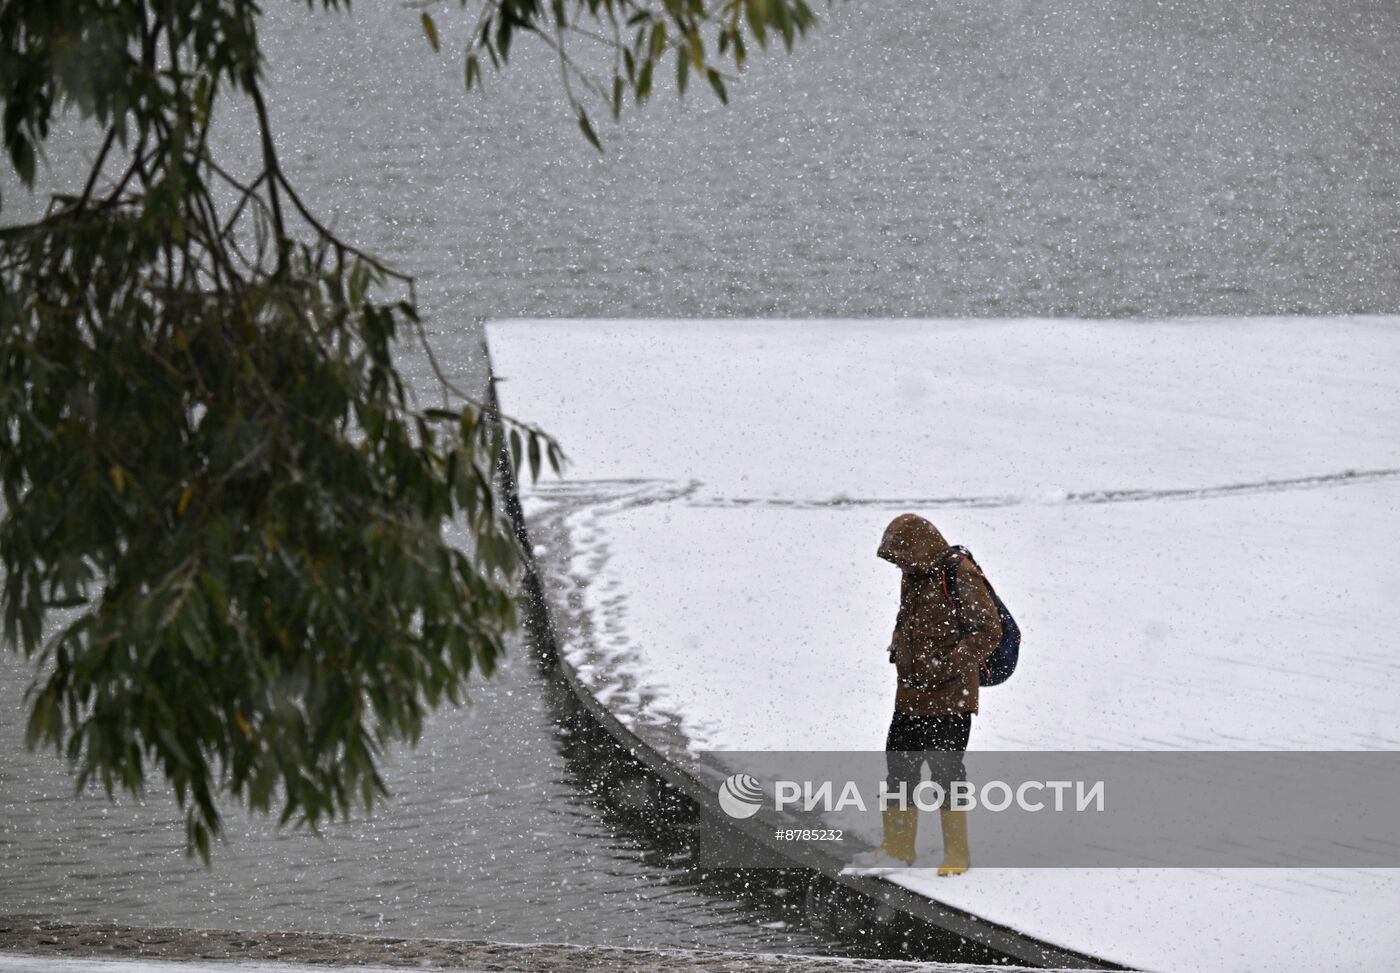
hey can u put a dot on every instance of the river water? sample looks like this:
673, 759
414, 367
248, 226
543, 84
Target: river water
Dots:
990, 158
495, 832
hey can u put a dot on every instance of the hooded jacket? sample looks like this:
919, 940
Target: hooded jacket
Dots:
937, 658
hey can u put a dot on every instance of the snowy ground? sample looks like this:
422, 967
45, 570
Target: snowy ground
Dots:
1195, 523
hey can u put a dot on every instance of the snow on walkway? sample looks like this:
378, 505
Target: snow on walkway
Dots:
1195, 522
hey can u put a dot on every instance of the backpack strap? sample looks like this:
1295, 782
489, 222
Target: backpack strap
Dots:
950, 582
950, 588
949, 574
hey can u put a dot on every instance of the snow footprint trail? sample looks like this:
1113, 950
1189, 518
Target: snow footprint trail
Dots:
1317, 482
606, 497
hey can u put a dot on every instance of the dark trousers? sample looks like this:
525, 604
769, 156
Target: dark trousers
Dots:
939, 740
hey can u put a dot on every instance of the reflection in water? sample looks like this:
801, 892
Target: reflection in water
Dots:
809, 912
516, 819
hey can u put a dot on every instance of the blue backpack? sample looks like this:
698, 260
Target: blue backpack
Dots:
997, 667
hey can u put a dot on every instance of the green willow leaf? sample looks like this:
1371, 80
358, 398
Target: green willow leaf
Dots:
587, 128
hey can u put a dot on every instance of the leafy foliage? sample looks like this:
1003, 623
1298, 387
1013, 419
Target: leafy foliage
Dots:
637, 37
225, 517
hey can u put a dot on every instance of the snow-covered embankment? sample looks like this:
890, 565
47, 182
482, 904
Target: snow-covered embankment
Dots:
1197, 523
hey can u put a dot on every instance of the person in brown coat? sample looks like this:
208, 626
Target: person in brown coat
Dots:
947, 625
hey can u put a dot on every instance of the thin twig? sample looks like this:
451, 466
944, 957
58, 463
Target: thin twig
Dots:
269, 154
97, 167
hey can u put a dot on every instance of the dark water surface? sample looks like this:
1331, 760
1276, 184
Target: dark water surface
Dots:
998, 158
499, 829
990, 158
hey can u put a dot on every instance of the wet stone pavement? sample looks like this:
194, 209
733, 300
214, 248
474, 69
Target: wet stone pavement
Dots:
28, 936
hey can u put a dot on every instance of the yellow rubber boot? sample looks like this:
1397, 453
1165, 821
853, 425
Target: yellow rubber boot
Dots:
901, 833
956, 856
